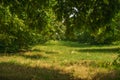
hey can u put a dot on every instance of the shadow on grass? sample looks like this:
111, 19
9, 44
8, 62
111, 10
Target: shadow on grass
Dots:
101, 50
12, 71
81, 45
51, 52
35, 56
78, 45
114, 75
36, 50
67, 44
47, 52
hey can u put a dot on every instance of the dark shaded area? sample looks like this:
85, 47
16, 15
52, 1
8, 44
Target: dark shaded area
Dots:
68, 43
114, 75
51, 52
81, 45
10, 51
36, 50
12, 71
35, 56
47, 52
78, 45
104, 50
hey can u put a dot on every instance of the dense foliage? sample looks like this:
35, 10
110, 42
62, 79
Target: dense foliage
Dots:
26, 22
19, 23
88, 16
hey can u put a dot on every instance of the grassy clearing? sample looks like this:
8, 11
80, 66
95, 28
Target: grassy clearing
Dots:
59, 60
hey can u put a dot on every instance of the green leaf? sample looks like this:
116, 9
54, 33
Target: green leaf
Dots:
106, 2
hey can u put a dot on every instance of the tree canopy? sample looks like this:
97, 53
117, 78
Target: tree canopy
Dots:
88, 14
26, 22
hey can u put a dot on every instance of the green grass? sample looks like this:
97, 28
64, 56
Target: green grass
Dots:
59, 60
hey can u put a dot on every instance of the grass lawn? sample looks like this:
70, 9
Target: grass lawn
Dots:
59, 60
